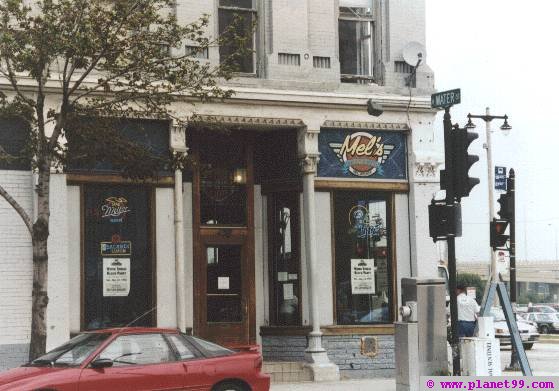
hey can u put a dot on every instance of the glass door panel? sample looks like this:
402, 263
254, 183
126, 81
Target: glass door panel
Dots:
224, 290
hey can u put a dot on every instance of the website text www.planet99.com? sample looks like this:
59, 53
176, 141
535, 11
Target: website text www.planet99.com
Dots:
473, 383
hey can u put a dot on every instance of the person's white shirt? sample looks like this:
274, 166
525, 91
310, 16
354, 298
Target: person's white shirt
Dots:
467, 308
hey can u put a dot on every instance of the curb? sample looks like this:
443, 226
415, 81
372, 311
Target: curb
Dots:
546, 338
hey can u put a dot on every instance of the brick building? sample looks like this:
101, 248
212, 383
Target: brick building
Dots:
297, 236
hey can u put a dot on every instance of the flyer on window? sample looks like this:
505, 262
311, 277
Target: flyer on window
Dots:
116, 277
362, 276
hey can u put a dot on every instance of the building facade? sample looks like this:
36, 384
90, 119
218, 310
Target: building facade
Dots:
295, 225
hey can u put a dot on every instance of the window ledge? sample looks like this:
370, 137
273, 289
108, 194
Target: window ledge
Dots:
266, 331
380, 329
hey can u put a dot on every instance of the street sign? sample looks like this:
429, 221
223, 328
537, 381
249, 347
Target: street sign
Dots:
446, 98
500, 178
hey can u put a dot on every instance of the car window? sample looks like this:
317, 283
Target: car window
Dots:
180, 344
211, 348
544, 317
138, 349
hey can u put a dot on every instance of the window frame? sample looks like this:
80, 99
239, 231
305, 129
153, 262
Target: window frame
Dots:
254, 13
356, 17
272, 202
389, 198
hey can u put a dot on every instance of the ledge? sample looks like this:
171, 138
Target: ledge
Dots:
75, 178
384, 329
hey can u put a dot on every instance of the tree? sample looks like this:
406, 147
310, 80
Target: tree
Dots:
108, 60
472, 280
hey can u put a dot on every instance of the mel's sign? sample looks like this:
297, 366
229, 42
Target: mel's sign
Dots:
446, 98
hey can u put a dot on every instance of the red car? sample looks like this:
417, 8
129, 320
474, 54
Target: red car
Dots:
139, 359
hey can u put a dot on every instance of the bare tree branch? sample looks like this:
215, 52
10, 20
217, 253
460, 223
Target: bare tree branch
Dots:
18, 208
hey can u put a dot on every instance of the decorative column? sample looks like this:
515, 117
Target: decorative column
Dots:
322, 368
180, 152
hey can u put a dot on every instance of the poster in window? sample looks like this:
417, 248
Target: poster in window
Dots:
116, 277
362, 276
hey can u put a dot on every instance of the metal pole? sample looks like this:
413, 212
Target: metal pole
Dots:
449, 172
514, 364
512, 254
488, 118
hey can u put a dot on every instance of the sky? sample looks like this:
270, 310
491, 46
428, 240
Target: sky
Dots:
504, 55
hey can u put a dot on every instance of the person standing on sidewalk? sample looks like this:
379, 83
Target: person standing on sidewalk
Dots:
467, 312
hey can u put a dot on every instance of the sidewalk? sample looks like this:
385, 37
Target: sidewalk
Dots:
384, 384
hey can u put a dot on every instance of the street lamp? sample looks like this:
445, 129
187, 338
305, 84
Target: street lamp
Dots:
506, 130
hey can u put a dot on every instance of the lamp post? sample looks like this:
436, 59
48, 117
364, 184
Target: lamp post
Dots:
505, 128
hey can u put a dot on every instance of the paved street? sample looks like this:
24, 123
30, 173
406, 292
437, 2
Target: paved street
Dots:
542, 358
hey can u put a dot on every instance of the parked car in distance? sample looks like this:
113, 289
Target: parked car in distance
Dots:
134, 359
555, 306
541, 308
547, 322
528, 330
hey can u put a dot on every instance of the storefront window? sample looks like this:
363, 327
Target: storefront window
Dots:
118, 266
284, 258
363, 262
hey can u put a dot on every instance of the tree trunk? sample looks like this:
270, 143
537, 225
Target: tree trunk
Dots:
40, 236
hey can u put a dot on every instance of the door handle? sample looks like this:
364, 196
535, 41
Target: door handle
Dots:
185, 367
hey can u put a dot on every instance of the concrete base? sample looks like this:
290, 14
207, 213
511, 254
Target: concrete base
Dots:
324, 372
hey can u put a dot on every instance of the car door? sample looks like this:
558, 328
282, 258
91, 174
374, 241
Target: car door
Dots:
140, 362
197, 378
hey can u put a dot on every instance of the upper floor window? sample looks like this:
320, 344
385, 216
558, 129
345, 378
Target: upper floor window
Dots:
356, 40
241, 14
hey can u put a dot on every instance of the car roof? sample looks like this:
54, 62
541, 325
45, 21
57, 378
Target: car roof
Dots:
134, 330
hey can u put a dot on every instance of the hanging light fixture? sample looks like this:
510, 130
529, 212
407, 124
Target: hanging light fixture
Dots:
240, 176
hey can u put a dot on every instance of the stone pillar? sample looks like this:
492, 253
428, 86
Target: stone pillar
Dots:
322, 368
179, 149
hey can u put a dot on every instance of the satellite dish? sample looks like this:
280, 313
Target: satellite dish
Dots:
413, 53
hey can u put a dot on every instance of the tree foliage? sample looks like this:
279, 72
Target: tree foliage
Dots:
472, 280
107, 59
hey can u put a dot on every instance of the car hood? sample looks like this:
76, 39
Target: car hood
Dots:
23, 375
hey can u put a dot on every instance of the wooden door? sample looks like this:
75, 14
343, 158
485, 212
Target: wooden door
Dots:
223, 204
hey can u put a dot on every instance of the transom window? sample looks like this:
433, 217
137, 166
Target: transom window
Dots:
356, 40
241, 14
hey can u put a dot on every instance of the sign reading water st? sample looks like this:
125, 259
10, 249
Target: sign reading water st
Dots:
445, 99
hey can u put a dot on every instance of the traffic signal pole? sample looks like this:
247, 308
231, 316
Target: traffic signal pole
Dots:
449, 169
491, 179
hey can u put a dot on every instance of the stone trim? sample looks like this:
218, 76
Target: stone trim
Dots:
248, 121
385, 126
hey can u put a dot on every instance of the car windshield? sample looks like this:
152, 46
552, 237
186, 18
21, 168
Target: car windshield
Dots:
73, 352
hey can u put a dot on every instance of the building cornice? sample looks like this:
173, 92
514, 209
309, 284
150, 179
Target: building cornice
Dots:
271, 96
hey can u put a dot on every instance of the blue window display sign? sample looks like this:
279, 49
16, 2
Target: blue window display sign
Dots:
362, 154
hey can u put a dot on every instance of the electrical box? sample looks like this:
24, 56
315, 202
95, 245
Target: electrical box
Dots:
421, 336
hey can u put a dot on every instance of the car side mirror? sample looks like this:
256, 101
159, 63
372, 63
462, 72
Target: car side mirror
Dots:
102, 363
